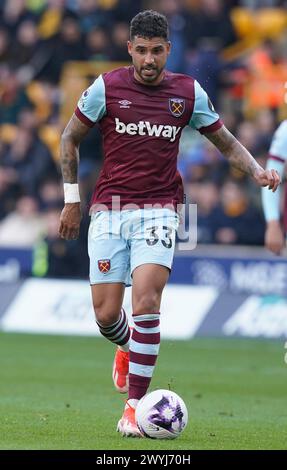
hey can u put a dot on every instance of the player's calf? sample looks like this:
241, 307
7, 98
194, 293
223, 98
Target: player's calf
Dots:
119, 333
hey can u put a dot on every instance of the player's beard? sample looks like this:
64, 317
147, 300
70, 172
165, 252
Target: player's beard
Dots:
152, 74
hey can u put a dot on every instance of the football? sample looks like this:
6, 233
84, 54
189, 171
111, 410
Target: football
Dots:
161, 414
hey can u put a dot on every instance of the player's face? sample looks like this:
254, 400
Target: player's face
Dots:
149, 57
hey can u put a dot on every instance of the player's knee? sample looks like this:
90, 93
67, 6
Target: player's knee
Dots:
105, 315
146, 303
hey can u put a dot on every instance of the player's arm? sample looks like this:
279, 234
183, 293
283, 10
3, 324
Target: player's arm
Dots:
240, 158
205, 119
90, 109
72, 136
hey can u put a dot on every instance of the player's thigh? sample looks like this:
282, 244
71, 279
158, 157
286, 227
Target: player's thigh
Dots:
153, 239
152, 252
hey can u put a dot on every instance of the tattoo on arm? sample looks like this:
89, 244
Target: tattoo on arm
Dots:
72, 136
233, 150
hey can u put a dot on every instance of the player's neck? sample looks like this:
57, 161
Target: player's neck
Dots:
155, 83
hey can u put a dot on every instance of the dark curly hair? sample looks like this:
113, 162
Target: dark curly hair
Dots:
149, 24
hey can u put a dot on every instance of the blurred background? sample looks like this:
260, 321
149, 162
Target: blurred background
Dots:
51, 50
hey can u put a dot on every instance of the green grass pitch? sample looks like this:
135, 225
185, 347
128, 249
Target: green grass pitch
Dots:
56, 393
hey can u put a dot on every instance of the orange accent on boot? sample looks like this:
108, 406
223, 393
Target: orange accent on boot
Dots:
121, 371
127, 424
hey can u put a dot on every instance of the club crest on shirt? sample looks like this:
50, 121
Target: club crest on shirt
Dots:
104, 265
176, 106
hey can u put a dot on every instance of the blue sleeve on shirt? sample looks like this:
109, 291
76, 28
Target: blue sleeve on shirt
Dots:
93, 101
279, 142
271, 201
204, 113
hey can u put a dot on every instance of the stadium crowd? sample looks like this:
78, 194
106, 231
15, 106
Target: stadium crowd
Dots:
37, 39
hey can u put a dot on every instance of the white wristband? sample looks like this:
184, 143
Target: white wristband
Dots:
71, 193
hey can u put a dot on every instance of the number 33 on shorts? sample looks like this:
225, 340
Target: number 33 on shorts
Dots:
164, 235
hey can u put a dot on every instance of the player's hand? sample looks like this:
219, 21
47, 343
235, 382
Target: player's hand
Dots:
70, 221
274, 237
268, 178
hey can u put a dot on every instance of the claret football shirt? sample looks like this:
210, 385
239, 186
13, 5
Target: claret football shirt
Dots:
141, 127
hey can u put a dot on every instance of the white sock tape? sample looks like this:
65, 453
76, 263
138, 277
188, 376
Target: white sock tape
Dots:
71, 193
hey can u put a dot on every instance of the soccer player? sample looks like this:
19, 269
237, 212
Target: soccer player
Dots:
141, 111
275, 231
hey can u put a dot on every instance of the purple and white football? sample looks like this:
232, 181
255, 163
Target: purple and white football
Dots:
161, 414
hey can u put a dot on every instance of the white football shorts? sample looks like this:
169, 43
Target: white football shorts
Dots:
120, 241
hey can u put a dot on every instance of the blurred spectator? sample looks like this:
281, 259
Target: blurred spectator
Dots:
200, 160
91, 148
8, 191
125, 10
28, 160
12, 96
51, 18
56, 257
267, 75
262, 3
51, 193
68, 45
14, 12
176, 16
4, 45
120, 36
25, 43
233, 215
97, 45
206, 195
246, 134
92, 15
211, 22
209, 30
24, 226
205, 64
265, 123
27, 119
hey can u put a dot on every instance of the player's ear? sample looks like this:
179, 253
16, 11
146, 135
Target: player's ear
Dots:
129, 44
168, 47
